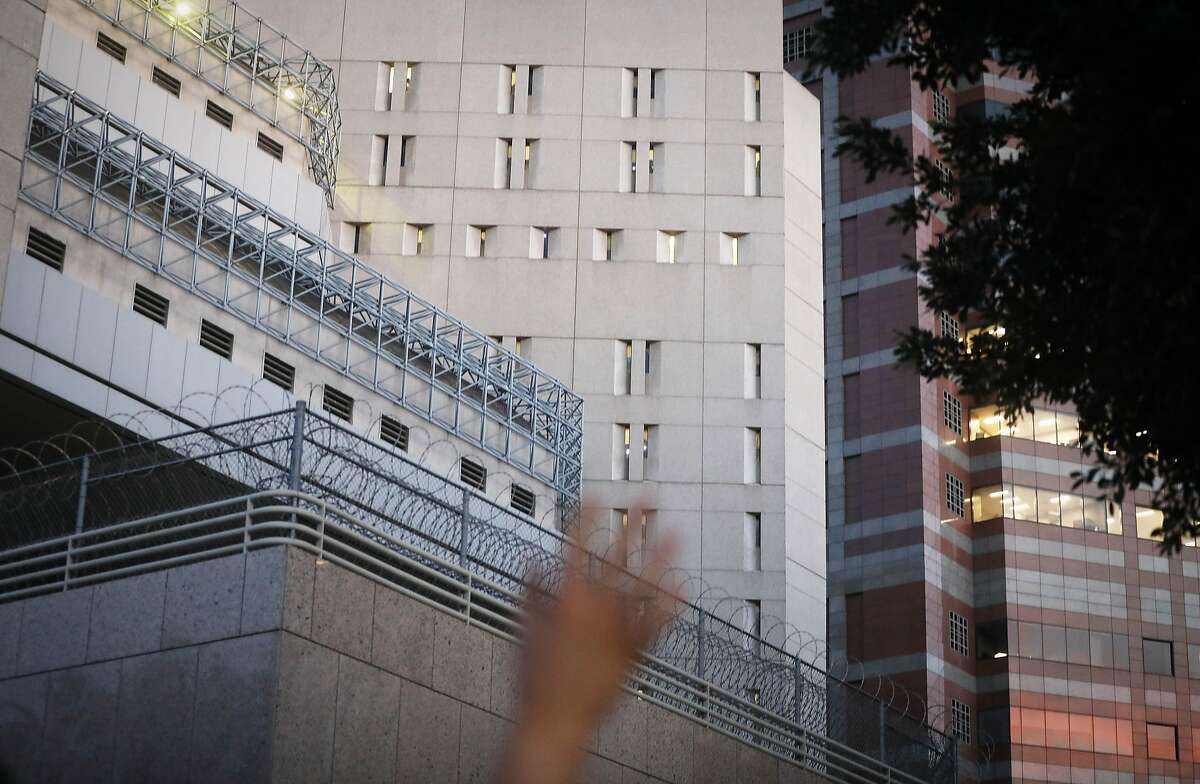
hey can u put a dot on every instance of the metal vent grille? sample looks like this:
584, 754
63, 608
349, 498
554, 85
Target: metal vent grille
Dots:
219, 114
472, 474
150, 304
218, 341
270, 146
110, 47
523, 500
278, 372
337, 403
166, 81
393, 432
46, 249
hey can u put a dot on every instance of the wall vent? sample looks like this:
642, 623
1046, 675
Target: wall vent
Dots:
219, 114
337, 403
523, 500
218, 341
270, 146
278, 372
46, 249
167, 82
110, 47
472, 474
150, 304
393, 432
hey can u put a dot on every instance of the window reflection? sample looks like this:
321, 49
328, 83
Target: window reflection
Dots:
1048, 507
1084, 732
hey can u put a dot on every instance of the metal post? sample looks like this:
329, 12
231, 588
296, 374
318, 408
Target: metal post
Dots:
464, 521
83, 480
297, 447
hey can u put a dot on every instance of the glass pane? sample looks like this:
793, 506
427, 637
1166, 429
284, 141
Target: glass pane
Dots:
1072, 510
1160, 738
1022, 427
1121, 651
1058, 731
1125, 737
1024, 503
1114, 519
1194, 661
1033, 727
1048, 510
1094, 513
1043, 426
1156, 655
987, 503
1104, 732
1102, 649
1030, 640
1079, 648
1054, 643
1068, 429
1081, 732
1148, 520
985, 422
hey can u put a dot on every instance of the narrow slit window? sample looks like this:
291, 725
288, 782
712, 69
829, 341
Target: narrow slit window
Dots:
752, 542
405, 150
391, 86
379, 158
409, 74
534, 73
512, 89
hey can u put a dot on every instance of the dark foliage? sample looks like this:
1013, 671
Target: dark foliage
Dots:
1070, 217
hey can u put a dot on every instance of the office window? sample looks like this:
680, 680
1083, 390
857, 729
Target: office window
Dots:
1158, 657
522, 500
110, 47
337, 403
472, 474
379, 158
539, 241
752, 542
150, 304
270, 146
477, 237
753, 156
1161, 741
414, 239
218, 114
955, 496
218, 341
166, 81
959, 634
45, 248
753, 455
604, 242
949, 326
952, 412
731, 248
960, 720
393, 432
668, 247
941, 108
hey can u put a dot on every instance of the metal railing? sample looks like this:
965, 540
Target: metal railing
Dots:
247, 60
137, 196
703, 665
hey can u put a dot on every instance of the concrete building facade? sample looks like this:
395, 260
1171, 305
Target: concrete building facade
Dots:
627, 194
1045, 630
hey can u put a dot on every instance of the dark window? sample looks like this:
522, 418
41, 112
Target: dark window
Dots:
150, 304
1194, 661
337, 403
1161, 742
991, 641
270, 146
472, 474
219, 114
166, 81
110, 47
49, 250
278, 372
523, 500
394, 432
218, 341
1157, 658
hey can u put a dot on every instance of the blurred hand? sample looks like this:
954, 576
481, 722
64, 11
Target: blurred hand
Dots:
579, 650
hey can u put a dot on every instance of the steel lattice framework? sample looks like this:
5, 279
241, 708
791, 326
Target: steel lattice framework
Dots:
247, 60
704, 664
112, 182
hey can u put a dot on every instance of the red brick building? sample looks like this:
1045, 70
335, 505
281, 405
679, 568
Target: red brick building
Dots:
1045, 631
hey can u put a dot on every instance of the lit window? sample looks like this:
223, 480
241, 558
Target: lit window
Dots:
949, 326
960, 720
959, 638
952, 412
1148, 521
796, 43
955, 496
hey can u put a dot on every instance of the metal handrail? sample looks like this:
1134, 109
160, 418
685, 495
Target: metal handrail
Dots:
302, 520
247, 60
221, 244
